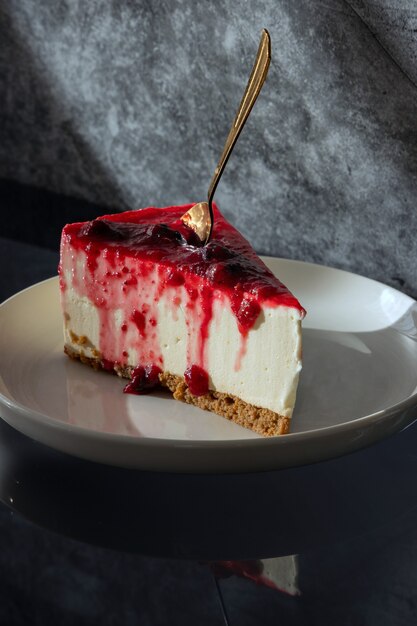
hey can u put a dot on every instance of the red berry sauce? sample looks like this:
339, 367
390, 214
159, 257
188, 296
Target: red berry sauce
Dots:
197, 380
126, 262
144, 379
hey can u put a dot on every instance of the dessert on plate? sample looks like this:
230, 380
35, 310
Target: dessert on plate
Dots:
143, 298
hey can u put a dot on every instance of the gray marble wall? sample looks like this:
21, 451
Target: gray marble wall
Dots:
128, 103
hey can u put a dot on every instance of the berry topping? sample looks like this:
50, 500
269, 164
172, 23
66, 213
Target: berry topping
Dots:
101, 229
144, 379
247, 314
197, 380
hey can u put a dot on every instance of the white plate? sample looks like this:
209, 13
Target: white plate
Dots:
358, 384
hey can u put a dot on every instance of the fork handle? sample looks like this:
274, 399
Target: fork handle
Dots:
253, 88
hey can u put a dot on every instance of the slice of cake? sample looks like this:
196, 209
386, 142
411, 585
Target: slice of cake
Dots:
210, 323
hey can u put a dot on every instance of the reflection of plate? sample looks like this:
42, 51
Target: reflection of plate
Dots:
359, 384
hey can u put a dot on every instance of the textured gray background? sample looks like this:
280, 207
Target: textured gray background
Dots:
129, 103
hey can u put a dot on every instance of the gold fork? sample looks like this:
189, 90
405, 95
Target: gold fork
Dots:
200, 216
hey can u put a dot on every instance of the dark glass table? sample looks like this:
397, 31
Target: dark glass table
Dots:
88, 543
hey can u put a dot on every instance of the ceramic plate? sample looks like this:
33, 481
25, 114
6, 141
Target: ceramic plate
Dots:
358, 384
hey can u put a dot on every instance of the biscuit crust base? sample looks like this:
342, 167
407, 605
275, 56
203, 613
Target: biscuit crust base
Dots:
260, 420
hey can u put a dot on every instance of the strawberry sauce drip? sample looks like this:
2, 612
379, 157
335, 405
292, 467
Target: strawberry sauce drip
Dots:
144, 379
124, 263
197, 380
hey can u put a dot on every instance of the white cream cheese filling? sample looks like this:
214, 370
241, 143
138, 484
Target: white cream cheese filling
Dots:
262, 370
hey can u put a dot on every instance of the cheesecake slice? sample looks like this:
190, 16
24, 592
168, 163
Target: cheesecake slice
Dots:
141, 298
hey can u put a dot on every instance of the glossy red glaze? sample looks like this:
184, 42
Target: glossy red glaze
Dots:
144, 379
197, 380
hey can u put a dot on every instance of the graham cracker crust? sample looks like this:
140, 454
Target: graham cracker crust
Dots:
262, 421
